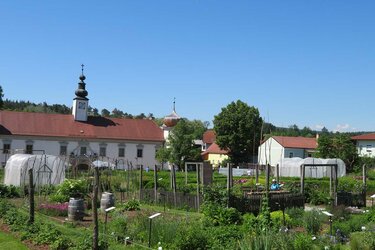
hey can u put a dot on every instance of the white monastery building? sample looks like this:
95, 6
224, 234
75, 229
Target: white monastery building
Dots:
117, 140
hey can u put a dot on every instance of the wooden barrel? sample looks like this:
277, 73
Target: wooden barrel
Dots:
76, 209
107, 200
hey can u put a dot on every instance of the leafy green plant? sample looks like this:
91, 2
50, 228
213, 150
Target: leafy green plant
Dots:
70, 188
192, 238
312, 221
9, 191
302, 242
277, 219
362, 241
132, 205
296, 216
216, 215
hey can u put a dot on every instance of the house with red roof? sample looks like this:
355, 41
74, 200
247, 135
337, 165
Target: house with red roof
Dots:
275, 148
211, 151
365, 144
117, 140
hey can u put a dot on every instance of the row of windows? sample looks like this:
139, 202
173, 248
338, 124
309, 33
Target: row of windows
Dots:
83, 150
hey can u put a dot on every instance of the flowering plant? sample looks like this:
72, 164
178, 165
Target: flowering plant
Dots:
57, 209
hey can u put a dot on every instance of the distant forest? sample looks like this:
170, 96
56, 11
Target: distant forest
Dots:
268, 128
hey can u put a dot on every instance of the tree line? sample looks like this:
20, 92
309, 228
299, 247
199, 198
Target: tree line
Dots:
27, 106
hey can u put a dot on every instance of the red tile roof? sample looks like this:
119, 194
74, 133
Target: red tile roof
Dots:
214, 149
364, 137
296, 142
209, 136
59, 125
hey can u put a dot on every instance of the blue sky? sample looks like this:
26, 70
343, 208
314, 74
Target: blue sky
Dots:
310, 63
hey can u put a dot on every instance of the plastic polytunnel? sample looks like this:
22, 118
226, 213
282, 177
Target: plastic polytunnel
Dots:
291, 167
47, 170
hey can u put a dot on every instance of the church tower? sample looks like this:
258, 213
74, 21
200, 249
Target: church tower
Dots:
170, 121
81, 102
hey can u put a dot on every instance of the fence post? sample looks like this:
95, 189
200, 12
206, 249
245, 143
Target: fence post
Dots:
198, 182
302, 167
95, 238
140, 182
156, 184
31, 197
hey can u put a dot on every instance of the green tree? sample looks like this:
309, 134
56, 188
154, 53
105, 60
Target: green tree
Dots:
338, 146
105, 112
237, 129
181, 143
163, 155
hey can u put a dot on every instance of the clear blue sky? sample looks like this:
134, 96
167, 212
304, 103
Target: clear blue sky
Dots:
310, 63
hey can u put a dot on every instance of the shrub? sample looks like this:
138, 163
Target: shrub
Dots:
192, 238
118, 227
224, 237
277, 219
132, 205
312, 221
302, 241
296, 216
72, 189
9, 191
216, 215
362, 241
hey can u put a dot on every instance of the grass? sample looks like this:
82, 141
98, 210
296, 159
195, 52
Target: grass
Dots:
7, 241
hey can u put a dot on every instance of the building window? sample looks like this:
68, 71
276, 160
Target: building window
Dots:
63, 149
6, 148
291, 155
29, 149
139, 152
102, 151
83, 151
121, 152
309, 155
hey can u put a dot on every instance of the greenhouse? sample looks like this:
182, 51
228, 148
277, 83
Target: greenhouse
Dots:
291, 167
47, 170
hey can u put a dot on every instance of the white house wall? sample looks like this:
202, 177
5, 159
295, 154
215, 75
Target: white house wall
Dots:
366, 148
52, 147
270, 152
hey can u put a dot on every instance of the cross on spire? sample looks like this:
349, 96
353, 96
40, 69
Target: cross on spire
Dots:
82, 65
174, 104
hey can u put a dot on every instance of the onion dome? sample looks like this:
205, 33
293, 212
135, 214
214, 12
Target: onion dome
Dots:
172, 119
81, 91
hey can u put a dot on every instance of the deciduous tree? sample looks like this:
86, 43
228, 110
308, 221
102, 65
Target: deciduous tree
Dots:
237, 129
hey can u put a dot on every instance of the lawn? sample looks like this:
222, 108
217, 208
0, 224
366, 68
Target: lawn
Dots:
7, 241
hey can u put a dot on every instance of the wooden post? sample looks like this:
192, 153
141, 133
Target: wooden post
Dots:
174, 185
198, 182
156, 183
95, 239
364, 179
229, 183
186, 174
140, 182
302, 179
31, 197
335, 185
330, 182
277, 173
267, 178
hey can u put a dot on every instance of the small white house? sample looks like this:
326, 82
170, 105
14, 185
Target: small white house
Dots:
365, 144
276, 148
